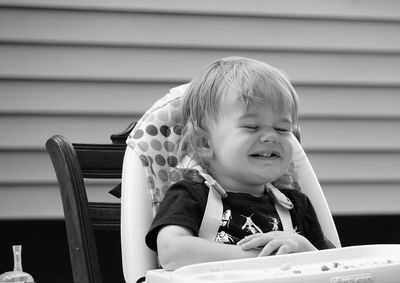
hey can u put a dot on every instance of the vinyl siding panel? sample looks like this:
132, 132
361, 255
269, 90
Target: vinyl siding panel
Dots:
41, 201
86, 69
115, 98
33, 131
173, 64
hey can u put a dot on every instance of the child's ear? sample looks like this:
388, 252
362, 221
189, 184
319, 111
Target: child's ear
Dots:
206, 150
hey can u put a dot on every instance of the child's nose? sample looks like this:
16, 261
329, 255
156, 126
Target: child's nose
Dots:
269, 137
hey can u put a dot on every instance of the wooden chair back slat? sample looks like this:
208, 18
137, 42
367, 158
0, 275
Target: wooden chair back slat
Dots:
105, 216
100, 161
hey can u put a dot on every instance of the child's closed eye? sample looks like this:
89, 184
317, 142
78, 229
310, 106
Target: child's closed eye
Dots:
251, 127
282, 130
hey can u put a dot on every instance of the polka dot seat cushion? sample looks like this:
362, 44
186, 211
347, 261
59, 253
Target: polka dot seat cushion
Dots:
155, 138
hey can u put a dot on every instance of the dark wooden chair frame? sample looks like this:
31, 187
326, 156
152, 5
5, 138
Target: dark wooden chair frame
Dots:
73, 163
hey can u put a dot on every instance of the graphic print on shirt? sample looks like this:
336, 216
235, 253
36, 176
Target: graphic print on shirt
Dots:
250, 226
235, 226
226, 218
274, 222
224, 238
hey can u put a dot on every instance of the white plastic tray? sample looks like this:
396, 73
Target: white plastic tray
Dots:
365, 264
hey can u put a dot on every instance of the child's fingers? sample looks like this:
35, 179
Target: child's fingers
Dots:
284, 249
248, 238
257, 241
271, 247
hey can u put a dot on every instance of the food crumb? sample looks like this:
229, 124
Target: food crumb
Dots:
296, 271
285, 266
388, 261
324, 268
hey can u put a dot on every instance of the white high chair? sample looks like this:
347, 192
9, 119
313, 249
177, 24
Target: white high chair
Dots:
150, 168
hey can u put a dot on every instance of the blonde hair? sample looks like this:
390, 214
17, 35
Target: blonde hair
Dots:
249, 79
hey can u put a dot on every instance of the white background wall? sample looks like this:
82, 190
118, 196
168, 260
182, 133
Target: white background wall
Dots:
86, 69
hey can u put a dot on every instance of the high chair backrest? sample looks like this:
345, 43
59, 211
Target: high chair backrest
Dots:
150, 168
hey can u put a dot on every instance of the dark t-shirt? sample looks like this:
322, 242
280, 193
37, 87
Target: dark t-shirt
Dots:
244, 214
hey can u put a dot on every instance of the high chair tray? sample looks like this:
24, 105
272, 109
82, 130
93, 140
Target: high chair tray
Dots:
366, 264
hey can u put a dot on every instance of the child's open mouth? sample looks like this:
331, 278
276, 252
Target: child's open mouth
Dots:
266, 155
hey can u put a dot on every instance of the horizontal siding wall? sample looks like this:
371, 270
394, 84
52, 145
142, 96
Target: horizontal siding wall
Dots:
86, 69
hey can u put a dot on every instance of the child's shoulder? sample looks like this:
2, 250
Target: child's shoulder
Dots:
190, 188
192, 180
188, 184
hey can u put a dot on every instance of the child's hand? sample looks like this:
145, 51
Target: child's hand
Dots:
277, 241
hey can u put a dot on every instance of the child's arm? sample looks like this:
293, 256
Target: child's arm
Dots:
279, 241
177, 246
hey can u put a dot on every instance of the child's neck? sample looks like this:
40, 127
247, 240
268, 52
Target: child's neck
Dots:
258, 190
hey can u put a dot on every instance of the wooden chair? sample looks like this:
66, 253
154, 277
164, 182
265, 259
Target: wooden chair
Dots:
73, 163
